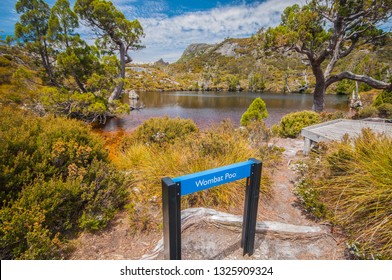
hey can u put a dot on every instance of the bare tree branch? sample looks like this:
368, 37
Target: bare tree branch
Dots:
360, 78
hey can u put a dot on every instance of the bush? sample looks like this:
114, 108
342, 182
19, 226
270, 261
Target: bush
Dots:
257, 133
4, 61
292, 124
327, 116
84, 106
383, 97
256, 112
385, 110
55, 180
42, 148
354, 179
367, 112
256, 83
161, 131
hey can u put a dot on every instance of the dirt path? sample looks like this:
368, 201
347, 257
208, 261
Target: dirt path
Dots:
284, 206
204, 240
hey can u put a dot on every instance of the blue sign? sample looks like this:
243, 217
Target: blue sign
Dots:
214, 177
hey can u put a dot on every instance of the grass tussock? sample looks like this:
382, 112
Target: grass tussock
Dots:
353, 181
197, 151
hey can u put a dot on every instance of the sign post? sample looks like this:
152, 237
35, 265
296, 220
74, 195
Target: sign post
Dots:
173, 189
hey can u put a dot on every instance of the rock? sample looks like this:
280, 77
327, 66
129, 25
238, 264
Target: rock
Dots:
209, 234
194, 50
228, 49
139, 69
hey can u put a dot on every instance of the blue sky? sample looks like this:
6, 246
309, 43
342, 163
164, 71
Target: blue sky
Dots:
171, 25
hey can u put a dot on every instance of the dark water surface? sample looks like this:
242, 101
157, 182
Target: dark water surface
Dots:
209, 108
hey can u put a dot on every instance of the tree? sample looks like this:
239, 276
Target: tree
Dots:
256, 112
79, 61
115, 32
62, 23
328, 31
256, 82
32, 30
76, 58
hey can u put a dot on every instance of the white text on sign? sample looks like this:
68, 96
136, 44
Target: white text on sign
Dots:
217, 179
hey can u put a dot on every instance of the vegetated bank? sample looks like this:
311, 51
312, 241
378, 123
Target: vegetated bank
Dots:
242, 65
56, 181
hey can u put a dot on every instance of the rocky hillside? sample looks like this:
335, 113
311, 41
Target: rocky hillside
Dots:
240, 64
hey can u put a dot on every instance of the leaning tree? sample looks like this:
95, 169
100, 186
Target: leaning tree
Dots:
115, 33
327, 31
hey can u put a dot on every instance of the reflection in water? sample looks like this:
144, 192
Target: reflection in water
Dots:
207, 108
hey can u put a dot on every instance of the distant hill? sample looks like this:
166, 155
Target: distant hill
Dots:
233, 64
240, 64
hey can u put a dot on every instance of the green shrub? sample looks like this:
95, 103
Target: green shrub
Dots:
84, 106
55, 180
344, 87
161, 131
42, 147
233, 83
103, 193
256, 112
367, 112
5, 75
385, 110
4, 61
383, 97
327, 116
256, 83
292, 124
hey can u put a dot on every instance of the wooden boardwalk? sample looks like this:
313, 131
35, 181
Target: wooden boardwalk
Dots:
336, 129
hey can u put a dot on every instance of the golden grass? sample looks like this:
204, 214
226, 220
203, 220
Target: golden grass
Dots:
357, 189
149, 163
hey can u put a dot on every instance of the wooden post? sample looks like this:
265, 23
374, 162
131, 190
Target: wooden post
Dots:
250, 208
171, 204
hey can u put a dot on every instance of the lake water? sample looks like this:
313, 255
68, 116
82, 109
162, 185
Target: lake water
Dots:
212, 107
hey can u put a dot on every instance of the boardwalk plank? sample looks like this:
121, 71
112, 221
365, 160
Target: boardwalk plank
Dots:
336, 129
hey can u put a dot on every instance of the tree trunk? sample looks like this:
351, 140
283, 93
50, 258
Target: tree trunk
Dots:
116, 94
319, 91
79, 83
46, 63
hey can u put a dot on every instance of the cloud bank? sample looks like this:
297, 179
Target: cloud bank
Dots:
167, 37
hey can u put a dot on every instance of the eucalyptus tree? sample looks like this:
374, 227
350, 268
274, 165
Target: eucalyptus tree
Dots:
327, 31
75, 58
32, 29
62, 24
115, 33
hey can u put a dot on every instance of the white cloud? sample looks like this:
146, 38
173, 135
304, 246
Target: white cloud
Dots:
167, 37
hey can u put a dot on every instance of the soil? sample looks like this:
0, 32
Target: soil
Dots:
204, 240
